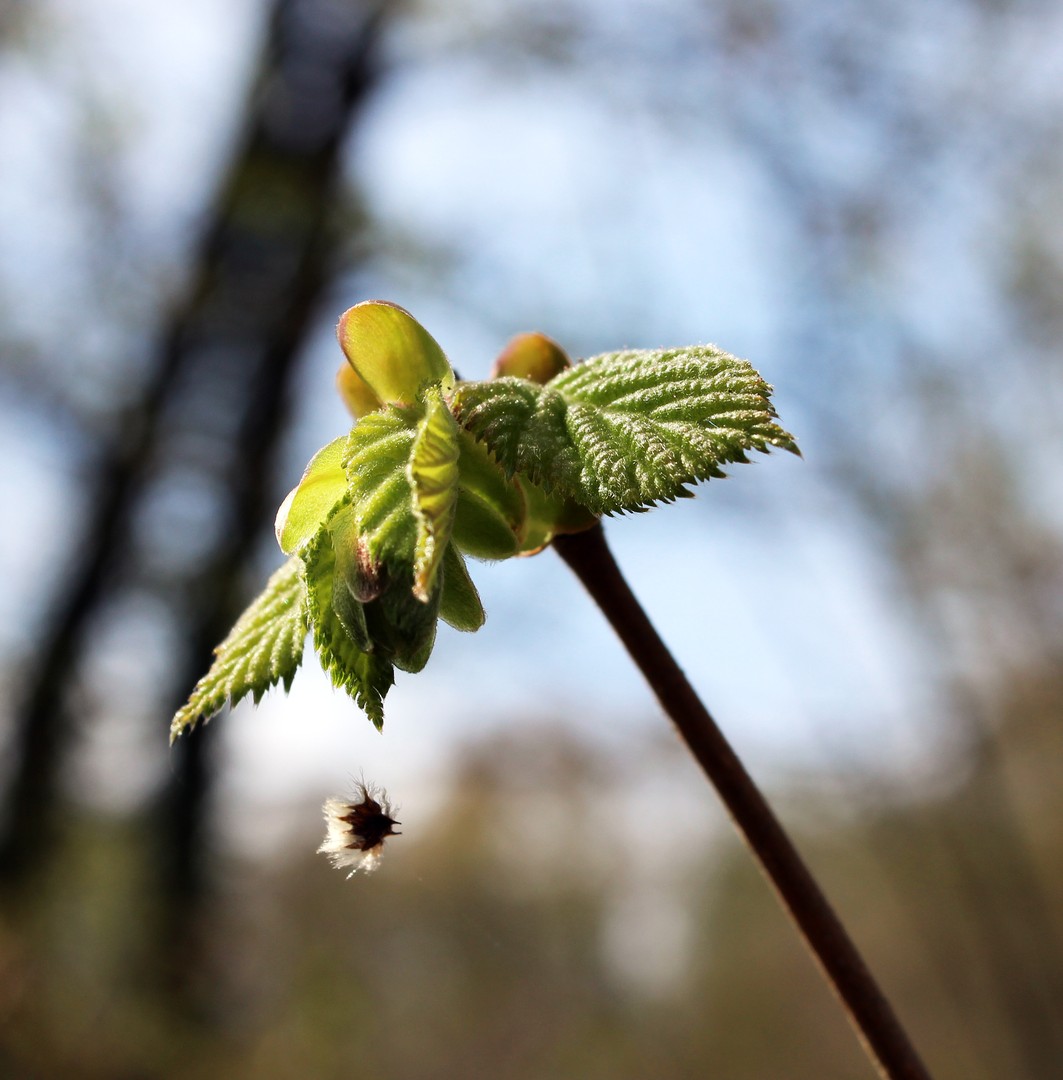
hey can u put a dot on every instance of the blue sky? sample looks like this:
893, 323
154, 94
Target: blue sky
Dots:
572, 205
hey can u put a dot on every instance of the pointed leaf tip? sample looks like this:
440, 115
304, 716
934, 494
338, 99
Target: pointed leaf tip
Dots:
459, 602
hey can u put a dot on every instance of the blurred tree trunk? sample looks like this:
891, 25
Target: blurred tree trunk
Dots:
212, 413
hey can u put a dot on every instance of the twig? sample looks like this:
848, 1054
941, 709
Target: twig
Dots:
886, 1042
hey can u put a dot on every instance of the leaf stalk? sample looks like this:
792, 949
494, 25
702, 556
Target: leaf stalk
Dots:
885, 1040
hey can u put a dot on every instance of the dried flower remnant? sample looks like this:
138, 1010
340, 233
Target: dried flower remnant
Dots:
356, 829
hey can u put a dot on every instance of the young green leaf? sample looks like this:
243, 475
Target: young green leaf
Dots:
625, 430
351, 586
459, 602
366, 676
489, 520
402, 474
549, 514
309, 504
401, 627
377, 461
264, 648
433, 475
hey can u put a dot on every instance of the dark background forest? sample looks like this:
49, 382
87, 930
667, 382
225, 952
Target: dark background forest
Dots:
864, 199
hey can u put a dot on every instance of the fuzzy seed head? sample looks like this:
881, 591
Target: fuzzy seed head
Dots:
356, 828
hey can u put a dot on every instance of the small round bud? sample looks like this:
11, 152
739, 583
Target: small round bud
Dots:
531, 356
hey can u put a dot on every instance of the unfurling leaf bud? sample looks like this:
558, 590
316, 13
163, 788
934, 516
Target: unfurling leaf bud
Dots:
434, 469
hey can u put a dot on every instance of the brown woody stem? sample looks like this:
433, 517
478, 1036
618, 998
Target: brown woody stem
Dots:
885, 1041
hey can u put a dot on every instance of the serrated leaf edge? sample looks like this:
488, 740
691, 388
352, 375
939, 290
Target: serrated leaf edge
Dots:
285, 588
